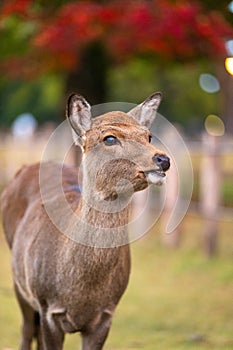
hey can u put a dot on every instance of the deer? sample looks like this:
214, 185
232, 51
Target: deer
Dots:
70, 245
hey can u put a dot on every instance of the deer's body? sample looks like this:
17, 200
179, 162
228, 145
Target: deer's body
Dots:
63, 285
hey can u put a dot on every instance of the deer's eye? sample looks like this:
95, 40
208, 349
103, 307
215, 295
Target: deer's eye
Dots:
150, 137
111, 140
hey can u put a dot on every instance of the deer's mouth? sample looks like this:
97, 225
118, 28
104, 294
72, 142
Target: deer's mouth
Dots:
155, 177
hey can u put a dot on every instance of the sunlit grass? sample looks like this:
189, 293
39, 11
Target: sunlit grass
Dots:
176, 299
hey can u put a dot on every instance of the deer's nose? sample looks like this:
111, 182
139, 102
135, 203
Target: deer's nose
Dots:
162, 161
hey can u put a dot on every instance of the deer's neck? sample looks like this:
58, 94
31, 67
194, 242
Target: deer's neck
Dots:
104, 223
104, 216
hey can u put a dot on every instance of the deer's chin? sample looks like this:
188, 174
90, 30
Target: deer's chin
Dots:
155, 177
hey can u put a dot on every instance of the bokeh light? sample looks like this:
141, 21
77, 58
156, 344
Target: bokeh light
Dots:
229, 47
230, 6
24, 125
229, 65
209, 83
214, 125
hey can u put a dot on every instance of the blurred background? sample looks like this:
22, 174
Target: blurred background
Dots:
180, 295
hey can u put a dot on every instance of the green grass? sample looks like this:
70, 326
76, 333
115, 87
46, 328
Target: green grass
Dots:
176, 299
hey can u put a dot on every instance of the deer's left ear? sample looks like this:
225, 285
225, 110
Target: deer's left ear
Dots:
145, 113
78, 112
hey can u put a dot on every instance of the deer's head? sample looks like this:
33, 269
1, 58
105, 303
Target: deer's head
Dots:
118, 157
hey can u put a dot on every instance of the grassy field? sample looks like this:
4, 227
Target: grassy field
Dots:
175, 299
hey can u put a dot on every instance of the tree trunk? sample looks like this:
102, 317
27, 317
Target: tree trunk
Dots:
89, 79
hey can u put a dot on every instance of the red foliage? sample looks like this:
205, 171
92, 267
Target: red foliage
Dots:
15, 7
169, 30
166, 29
74, 25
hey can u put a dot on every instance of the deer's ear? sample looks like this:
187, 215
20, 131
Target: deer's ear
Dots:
78, 112
145, 113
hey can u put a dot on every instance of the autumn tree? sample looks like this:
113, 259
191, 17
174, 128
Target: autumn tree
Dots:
82, 39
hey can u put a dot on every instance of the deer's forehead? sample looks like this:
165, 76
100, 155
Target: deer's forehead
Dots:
119, 123
119, 130
113, 118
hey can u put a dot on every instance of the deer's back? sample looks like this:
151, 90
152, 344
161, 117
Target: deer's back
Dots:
25, 189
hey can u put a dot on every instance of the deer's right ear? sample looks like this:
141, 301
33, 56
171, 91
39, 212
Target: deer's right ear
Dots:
145, 113
78, 112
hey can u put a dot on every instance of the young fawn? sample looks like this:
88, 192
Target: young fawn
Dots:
70, 248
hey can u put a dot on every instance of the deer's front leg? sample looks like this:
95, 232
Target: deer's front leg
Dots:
94, 339
29, 326
52, 335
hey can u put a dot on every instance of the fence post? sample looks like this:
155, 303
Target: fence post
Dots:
210, 191
171, 239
